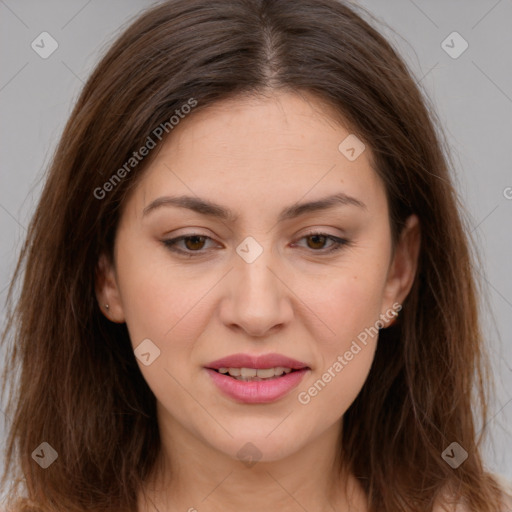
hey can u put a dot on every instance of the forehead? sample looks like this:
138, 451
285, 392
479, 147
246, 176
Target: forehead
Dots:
252, 152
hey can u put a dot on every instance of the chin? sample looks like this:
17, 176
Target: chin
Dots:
259, 447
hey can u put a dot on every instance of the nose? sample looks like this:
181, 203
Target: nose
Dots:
258, 298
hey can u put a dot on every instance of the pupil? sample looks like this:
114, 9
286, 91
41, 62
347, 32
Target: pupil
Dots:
322, 237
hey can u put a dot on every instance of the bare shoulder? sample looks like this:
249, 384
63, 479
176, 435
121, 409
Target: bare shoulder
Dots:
506, 487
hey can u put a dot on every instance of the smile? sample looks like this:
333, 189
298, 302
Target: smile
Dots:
255, 374
256, 378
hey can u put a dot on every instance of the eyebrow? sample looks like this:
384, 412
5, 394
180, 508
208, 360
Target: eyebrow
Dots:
211, 209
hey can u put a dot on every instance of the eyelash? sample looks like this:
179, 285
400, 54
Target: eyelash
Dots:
339, 243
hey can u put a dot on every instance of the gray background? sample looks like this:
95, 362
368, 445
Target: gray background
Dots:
472, 95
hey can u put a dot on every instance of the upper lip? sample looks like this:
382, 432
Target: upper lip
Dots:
255, 361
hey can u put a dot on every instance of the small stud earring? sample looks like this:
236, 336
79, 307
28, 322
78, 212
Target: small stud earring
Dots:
106, 306
395, 315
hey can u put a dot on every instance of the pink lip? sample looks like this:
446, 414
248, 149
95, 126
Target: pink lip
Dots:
263, 391
258, 392
262, 362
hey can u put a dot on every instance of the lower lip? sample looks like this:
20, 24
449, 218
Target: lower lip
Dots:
258, 392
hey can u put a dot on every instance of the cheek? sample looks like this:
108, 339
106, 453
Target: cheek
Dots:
158, 297
164, 316
166, 309
349, 307
330, 391
346, 351
347, 300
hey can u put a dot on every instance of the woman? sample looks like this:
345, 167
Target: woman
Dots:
247, 282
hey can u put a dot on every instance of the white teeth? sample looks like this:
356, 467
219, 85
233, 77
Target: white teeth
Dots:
266, 373
256, 373
246, 372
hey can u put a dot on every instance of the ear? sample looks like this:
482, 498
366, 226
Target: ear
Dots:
107, 291
402, 269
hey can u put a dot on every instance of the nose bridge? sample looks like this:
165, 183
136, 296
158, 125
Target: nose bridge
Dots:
257, 283
257, 301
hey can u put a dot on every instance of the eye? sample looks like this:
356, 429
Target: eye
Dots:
319, 239
194, 243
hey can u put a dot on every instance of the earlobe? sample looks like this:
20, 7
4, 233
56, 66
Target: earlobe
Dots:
107, 291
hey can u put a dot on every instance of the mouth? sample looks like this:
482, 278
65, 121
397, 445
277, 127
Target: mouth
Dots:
256, 379
256, 374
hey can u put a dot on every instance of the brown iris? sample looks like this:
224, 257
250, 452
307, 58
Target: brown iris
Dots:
193, 245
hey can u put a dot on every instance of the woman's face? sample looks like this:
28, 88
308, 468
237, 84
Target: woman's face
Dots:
258, 275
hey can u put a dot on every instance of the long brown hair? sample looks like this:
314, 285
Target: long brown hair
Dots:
79, 387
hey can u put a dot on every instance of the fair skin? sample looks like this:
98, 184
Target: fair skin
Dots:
255, 157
